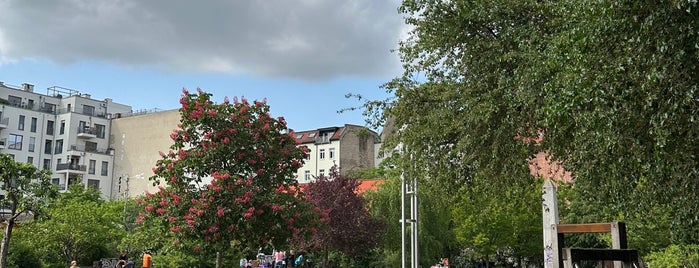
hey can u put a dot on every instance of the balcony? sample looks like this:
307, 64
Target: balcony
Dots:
68, 167
87, 133
80, 150
4, 122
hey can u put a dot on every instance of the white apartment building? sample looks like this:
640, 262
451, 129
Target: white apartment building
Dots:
349, 147
63, 130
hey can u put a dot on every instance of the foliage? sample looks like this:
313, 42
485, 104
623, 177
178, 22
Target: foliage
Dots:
675, 256
350, 228
26, 190
229, 178
490, 220
436, 226
607, 88
78, 225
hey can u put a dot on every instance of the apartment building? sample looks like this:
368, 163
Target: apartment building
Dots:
64, 131
349, 148
138, 140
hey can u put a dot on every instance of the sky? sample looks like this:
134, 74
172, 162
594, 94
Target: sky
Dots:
303, 56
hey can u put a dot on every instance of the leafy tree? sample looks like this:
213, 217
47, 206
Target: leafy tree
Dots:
26, 191
435, 222
607, 88
350, 228
78, 225
229, 178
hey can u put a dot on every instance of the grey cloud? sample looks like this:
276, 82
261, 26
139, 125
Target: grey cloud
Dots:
308, 39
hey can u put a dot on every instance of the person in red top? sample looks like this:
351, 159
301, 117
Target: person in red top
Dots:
147, 262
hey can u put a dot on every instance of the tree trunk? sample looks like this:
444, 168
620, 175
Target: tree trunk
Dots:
6, 242
218, 259
325, 258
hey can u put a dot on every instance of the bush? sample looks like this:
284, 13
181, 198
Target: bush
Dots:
675, 256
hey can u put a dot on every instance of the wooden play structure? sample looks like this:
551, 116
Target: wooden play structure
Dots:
557, 255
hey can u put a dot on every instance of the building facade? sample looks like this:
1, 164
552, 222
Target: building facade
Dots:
104, 145
63, 130
348, 148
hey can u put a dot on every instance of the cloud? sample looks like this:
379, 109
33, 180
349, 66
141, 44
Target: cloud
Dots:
306, 39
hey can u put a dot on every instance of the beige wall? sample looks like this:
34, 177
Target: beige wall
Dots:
137, 141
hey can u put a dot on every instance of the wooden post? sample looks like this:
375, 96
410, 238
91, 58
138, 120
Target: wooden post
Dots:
550, 219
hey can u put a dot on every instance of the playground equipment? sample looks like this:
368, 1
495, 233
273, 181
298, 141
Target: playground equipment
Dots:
556, 255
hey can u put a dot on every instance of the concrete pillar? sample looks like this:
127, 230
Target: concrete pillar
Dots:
550, 217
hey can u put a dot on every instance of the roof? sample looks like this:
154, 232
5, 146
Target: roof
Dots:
309, 136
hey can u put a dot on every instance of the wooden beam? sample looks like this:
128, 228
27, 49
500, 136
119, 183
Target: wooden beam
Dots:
597, 254
584, 228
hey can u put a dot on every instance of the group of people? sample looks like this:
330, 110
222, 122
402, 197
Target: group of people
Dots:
124, 261
279, 259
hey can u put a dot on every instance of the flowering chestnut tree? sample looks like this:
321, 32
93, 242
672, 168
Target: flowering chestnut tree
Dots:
229, 178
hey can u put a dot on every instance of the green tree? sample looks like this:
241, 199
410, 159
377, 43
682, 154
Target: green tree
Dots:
79, 225
229, 178
26, 191
435, 222
607, 88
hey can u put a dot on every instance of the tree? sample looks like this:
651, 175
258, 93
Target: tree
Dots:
607, 89
26, 191
78, 225
350, 228
229, 178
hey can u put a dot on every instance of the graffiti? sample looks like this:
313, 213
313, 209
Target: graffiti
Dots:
109, 262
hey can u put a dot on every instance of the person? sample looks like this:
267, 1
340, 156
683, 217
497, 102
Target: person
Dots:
147, 262
279, 259
290, 258
123, 258
74, 264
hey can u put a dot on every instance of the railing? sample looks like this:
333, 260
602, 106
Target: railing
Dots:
69, 166
5, 121
83, 148
87, 130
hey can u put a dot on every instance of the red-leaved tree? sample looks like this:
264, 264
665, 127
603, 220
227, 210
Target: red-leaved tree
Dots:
229, 177
349, 227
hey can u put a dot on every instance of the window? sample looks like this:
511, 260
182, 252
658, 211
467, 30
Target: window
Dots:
90, 146
100, 130
48, 144
47, 164
321, 173
49, 108
321, 154
32, 143
33, 126
20, 124
91, 170
331, 153
88, 110
14, 142
312, 135
30, 160
59, 147
49, 127
307, 175
30, 104
14, 100
94, 184
63, 127
105, 166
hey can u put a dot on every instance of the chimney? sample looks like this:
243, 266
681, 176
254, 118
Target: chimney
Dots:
28, 87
